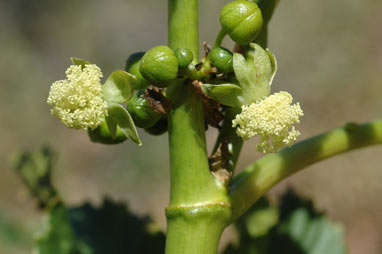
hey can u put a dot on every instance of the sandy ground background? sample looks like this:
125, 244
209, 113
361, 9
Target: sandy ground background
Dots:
330, 59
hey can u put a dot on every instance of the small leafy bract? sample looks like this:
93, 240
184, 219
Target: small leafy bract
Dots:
79, 61
122, 117
119, 87
226, 94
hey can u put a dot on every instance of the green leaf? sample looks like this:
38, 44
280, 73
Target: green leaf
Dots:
241, 71
250, 90
119, 87
273, 60
300, 230
122, 117
316, 235
35, 170
113, 229
260, 67
255, 72
226, 94
111, 125
59, 237
262, 220
110, 228
13, 233
311, 231
79, 61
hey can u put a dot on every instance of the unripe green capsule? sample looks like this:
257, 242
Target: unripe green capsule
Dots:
242, 20
222, 59
143, 114
159, 128
184, 57
132, 66
102, 135
159, 66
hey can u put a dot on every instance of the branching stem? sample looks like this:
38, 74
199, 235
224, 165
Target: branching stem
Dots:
259, 177
200, 207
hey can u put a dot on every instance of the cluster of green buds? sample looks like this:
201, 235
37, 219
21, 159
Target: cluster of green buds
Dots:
137, 96
247, 79
271, 117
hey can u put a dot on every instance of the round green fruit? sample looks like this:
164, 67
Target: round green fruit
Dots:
222, 59
159, 66
132, 66
184, 57
159, 128
143, 114
102, 135
242, 20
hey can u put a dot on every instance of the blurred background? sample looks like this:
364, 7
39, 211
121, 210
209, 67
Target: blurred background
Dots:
329, 56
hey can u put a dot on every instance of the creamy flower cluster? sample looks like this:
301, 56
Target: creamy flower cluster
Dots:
272, 120
77, 101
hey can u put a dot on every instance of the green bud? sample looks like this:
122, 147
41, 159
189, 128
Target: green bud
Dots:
132, 66
222, 59
242, 20
159, 66
143, 114
184, 57
102, 135
159, 128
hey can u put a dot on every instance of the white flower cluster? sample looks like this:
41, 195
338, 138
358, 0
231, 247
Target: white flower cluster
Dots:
272, 120
77, 101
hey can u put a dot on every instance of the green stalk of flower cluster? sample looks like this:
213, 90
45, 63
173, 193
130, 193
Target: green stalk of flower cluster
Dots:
228, 134
199, 209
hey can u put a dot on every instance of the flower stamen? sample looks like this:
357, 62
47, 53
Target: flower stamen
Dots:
77, 101
272, 120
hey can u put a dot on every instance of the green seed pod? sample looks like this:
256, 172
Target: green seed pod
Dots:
222, 59
102, 135
242, 20
184, 57
141, 111
159, 128
159, 66
132, 66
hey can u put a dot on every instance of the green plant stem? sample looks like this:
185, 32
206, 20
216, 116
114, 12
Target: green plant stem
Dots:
259, 177
196, 229
262, 39
198, 207
183, 25
228, 133
219, 39
191, 181
267, 8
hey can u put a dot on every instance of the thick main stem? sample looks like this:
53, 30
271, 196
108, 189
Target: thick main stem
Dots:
183, 25
196, 229
199, 209
191, 181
